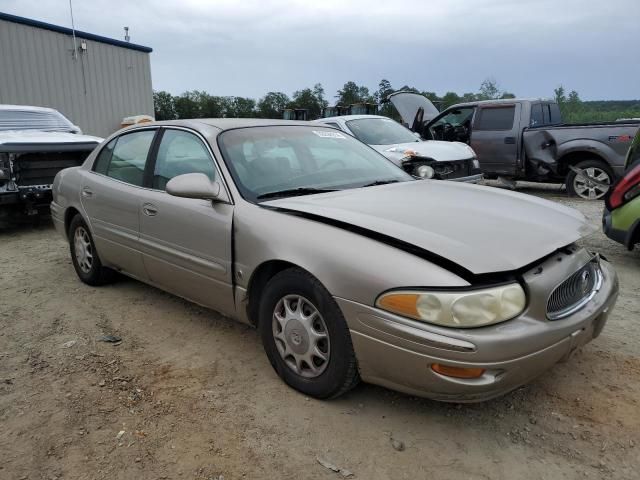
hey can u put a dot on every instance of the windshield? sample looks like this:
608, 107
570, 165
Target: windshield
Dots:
25, 119
380, 131
297, 160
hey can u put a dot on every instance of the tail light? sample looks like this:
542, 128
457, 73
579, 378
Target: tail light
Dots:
625, 190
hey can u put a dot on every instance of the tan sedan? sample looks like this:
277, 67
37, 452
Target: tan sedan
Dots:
349, 267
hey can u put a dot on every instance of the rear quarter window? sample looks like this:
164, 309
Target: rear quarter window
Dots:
104, 158
495, 118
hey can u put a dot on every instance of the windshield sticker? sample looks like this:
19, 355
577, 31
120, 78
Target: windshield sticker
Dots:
323, 134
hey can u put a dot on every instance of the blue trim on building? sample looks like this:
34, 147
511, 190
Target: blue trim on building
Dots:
67, 31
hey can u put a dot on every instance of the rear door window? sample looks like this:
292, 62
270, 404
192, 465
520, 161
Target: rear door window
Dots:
129, 157
104, 158
536, 115
495, 118
556, 117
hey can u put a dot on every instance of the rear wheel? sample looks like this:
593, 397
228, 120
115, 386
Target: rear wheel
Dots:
592, 180
305, 335
85, 256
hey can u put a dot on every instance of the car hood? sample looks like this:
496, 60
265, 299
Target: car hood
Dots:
39, 136
482, 229
436, 149
408, 103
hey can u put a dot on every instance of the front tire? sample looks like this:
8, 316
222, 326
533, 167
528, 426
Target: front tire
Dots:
305, 335
594, 184
85, 257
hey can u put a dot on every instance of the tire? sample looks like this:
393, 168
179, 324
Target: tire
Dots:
596, 169
87, 263
286, 341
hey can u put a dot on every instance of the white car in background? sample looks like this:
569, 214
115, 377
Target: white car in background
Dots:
427, 159
35, 144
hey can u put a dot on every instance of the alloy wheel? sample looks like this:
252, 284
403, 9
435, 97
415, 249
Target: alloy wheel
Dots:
301, 336
592, 183
83, 249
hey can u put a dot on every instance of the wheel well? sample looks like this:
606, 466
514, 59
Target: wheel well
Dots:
259, 279
68, 216
574, 158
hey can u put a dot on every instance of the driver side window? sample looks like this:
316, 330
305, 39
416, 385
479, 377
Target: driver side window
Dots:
181, 152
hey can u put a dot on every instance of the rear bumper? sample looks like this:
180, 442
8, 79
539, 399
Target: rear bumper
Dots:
31, 197
397, 353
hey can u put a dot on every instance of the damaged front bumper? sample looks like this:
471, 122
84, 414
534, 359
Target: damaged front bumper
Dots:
455, 170
398, 353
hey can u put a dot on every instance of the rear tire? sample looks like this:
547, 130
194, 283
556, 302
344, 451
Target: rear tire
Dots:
305, 335
584, 187
85, 257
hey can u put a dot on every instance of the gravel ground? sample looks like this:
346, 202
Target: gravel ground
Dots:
188, 394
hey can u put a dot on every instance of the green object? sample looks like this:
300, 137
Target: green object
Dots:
622, 224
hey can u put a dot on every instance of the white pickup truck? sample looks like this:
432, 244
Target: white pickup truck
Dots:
35, 144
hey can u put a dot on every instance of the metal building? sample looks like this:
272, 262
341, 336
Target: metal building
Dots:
93, 80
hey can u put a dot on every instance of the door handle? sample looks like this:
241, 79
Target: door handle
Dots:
87, 193
149, 210
510, 140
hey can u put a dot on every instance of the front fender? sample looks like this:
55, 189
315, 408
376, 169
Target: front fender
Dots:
349, 265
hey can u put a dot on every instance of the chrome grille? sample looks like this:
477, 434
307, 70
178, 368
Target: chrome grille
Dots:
574, 293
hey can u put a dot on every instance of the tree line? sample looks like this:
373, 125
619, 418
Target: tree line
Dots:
200, 104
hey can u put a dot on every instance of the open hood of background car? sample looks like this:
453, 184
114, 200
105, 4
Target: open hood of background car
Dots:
408, 103
483, 230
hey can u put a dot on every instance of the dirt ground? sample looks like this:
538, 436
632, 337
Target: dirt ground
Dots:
188, 394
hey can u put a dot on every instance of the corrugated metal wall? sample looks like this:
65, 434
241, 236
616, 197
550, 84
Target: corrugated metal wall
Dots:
104, 84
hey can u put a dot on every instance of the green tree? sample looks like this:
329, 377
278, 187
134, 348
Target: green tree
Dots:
352, 93
469, 97
210, 106
318, 92
310, 99
559, 96
240, 107
187, 105
384, 90
379, 97
450, 98
164, 106
272, 105
489, 89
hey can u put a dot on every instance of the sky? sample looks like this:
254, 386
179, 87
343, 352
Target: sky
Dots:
250, 47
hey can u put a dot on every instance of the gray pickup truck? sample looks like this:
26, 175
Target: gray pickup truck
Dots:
518, 139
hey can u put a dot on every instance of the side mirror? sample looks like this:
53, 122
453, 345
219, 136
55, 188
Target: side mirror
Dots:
193, 185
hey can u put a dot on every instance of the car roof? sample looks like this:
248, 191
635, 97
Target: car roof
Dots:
350, 117
26, 108
229, 123
500, 101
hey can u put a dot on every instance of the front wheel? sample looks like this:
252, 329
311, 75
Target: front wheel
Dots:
305, 335
589, 179
85, 256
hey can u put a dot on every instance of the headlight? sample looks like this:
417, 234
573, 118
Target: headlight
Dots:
459, 309
425, 171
